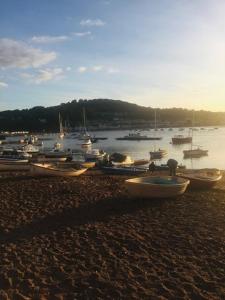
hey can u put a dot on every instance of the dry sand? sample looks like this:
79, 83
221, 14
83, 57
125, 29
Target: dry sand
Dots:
83, 238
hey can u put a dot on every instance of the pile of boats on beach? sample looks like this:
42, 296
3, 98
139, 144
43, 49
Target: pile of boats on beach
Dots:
58, 162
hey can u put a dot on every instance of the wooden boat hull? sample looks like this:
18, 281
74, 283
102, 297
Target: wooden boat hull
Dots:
156, 187
51, 170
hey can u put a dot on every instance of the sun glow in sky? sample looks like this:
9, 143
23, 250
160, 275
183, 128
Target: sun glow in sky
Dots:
163, 53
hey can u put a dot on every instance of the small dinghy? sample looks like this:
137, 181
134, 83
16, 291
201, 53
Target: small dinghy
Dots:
203, 178
56, 170
156, 186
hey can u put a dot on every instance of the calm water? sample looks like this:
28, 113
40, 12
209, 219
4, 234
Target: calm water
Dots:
210, 139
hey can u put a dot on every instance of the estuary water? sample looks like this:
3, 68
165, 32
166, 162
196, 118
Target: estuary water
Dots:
207, 138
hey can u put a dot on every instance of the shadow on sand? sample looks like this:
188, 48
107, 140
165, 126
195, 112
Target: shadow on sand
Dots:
100, 211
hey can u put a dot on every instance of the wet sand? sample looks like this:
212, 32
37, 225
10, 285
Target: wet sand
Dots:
83, 238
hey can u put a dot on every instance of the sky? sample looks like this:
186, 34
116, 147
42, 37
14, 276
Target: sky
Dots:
164, 53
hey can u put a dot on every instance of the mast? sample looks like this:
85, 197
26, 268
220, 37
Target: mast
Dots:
60, 124
84, 120
192, 130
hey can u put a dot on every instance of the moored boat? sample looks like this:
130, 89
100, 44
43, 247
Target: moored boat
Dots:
181, 139
158, 154
137, 137
156, 186
55, 170
197, 152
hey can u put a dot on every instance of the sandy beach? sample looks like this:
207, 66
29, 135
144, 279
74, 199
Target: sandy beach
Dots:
83, 238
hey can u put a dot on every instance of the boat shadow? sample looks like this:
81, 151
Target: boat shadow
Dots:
100, 211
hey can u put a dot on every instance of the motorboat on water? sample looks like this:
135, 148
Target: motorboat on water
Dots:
181, 139
202, 178
56, 170
136, 136
156, 186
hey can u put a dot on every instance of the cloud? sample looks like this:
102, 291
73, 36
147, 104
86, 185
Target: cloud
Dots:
68, 68
82, 69
45, 39
97, 68
81, 34
19, 55
89, 22
43, 75
3, 84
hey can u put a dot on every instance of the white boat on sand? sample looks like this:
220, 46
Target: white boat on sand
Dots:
203, 178
156, 186
55, 170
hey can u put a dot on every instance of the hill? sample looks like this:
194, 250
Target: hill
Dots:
103, 113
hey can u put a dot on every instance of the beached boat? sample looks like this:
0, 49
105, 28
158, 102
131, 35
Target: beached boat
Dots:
181, 139
156, 186
94, 155
31, 149
13, 154
55, 170
55, 154
14, 165
203, 178
123, 170
118, 159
